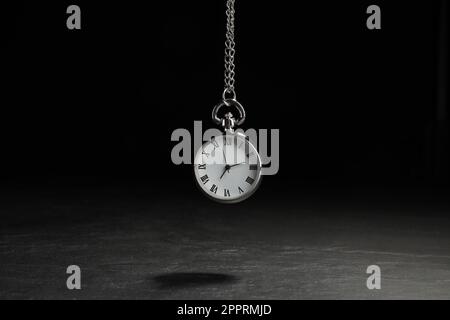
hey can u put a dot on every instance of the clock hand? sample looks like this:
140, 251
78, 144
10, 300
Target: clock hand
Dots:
227, 167
237, 164
224, 156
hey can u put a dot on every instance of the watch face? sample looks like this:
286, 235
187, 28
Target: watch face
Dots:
228, 168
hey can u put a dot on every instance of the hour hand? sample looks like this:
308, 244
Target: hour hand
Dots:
227, 167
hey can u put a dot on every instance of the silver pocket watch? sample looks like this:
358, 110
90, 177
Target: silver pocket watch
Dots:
228, 167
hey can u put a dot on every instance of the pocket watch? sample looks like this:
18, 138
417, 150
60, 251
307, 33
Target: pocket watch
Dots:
228, 167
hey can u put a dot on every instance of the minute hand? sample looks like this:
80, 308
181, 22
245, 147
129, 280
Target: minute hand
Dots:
237, 164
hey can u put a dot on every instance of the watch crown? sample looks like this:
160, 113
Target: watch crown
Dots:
228, 122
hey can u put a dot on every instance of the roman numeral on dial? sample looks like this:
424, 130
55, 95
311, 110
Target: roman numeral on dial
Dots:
249, 180
213, 189
214, 142
204, 179
226, 193
240, 190
202, 167
227, 141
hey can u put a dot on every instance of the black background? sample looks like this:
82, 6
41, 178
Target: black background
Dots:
354, 106
86, 176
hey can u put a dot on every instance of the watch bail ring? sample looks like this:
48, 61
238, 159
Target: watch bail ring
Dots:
230, 92
228, 103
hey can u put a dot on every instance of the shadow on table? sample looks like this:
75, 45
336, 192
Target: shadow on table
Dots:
192, 279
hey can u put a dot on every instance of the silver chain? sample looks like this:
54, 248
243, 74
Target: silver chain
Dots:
229, 53
229, 95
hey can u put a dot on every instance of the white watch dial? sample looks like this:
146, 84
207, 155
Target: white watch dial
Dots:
228, 168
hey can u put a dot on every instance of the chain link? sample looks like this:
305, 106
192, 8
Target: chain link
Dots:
229, 52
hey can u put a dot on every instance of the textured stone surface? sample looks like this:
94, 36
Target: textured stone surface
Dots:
130, 246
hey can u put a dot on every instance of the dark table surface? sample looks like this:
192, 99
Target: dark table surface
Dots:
133, 243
